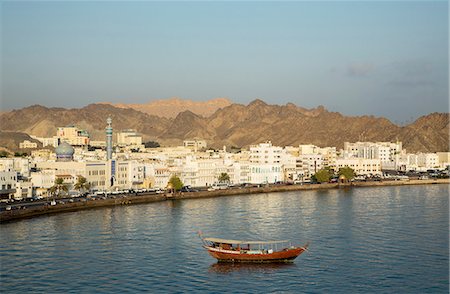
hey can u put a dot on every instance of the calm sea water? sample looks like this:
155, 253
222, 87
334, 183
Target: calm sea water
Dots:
383, 240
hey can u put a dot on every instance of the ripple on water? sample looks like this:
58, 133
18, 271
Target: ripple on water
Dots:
389, 239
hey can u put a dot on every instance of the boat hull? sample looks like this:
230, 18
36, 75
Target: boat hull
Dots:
284, 256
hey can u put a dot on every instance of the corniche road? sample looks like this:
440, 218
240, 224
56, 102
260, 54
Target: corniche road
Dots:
39, 208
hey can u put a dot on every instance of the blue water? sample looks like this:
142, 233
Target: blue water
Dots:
366, 240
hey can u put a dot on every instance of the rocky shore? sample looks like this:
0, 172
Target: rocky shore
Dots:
132, 199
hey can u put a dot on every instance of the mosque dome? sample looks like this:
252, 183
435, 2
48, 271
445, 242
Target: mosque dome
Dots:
64, 152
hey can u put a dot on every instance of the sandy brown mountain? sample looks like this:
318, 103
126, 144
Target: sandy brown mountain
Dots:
170, 108
239, 125
11, 140
42, 121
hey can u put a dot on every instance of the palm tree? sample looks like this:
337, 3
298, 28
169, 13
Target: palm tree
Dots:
58, 187
224, 178
82, 184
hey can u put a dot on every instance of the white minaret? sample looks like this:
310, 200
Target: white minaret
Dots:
109, 133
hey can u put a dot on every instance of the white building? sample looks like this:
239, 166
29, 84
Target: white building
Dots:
309, 164
72, 135
361, 166
444, 159
195, 145
47, 141
129, 137
427, 161
8, 180
265, 153
44, 179
102, 175
17, 164
387, 152
265, 173
23, 190
26, 144
328, 158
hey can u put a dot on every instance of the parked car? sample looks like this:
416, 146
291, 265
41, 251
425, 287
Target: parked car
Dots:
219, 186
188, 189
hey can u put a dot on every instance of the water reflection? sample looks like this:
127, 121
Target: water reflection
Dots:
226, 268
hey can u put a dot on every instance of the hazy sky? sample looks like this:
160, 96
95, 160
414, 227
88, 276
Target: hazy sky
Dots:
376, 57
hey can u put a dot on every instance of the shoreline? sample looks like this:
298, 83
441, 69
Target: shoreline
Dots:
14, 215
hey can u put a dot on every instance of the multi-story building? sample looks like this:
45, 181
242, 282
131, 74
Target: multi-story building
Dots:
43, 180
427, 161
129, 137
309, 164
102, 175
72, 135
53, 142
387, 152
444, 159
24, 189
17, 164
361, 166
8, 180
195, 145
265, 173
26, 144
265, 153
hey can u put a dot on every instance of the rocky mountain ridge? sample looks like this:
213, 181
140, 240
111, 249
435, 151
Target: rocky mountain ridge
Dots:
238, 125
170, 108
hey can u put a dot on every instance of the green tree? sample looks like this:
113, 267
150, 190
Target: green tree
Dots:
323, 175
59, 187
151, 144
175, 183
82, 184
347, 172
3, 153
224, 178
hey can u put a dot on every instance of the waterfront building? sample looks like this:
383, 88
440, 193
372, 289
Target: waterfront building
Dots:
328, 158
26, 144
42, 181
161, 176
102, 175
265, 153
361, 166
8, 179
265, 173
289, 164
309, 164
72, 135
206, 175
387, 152
444, 159
24, 189
427, 161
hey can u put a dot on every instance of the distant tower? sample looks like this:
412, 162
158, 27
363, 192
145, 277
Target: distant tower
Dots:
109, 133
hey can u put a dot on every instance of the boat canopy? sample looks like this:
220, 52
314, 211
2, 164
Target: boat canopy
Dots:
225, 241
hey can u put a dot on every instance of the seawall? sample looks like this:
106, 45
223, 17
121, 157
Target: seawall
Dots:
132, 199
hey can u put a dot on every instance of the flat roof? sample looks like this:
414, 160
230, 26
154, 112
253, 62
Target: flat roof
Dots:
227, 241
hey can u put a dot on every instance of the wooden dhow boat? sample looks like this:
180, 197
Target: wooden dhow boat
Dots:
252, 251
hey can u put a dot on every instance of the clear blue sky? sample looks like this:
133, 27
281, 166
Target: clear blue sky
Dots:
378, 57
